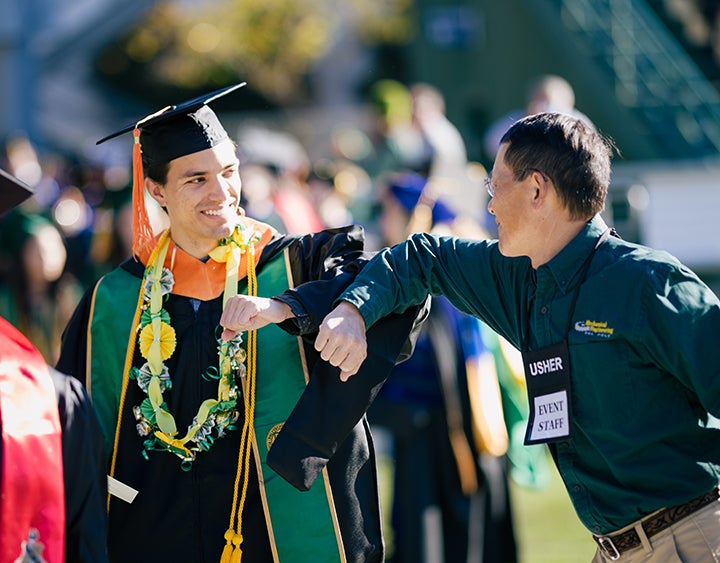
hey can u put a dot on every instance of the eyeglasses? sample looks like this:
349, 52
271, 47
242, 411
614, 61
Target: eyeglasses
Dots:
489, 186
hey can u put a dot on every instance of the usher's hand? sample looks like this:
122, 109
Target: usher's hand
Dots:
243, 312
341, 339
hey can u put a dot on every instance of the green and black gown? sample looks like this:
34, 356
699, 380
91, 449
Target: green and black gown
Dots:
324, 448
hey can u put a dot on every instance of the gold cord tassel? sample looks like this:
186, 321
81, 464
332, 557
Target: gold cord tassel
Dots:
232, 553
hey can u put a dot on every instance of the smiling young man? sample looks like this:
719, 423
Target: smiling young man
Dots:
201, 427
628, 396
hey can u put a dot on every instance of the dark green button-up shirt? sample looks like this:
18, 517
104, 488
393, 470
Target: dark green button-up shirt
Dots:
644, 361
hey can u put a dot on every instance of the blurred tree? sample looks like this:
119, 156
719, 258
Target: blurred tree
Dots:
270, 43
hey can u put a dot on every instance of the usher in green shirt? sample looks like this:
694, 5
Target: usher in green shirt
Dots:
645, 370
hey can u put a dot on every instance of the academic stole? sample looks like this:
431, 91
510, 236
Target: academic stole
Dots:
32, 496
300, 524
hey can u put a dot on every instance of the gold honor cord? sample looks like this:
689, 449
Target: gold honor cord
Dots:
232, 552
157, 342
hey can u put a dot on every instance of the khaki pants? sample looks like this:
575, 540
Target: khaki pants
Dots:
694, 539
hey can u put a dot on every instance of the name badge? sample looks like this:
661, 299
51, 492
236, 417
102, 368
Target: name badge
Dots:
547, 373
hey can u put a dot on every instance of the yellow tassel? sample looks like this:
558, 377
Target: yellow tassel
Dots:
227, 552
237, 552
231, 552
228, 549
243, 469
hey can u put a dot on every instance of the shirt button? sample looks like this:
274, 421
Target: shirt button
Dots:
576, 488
543, 310
596, 528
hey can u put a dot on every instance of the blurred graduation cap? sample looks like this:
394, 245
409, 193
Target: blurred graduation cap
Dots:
12, 191
165, 135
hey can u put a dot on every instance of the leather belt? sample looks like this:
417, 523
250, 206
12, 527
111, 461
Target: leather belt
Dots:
613, 545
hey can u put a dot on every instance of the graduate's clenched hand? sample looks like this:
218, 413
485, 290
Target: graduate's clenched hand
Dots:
243, 312
341, 339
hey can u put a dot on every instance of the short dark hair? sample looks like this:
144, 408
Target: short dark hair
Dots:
155, 170
572, 153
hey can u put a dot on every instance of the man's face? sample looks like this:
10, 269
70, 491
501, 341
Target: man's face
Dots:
511, 206
201, 197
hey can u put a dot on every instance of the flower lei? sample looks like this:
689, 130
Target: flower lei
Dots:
157, 342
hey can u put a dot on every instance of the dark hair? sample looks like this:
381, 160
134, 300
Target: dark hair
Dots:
156, 171
569, 151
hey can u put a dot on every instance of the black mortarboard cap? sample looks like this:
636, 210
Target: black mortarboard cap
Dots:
12, 191
163, 136
181, 129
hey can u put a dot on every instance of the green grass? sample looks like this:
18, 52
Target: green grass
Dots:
547, 528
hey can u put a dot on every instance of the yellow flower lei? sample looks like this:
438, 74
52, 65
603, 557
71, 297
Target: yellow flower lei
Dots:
157, 342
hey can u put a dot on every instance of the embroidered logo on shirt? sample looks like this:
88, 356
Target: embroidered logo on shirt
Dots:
595, 328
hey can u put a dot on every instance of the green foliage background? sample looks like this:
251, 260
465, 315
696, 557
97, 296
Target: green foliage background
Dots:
271, 44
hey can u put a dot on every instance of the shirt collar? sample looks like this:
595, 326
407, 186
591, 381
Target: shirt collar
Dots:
205, 279
566, 265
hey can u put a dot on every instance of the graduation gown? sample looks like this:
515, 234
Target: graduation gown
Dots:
182, 515
53, 484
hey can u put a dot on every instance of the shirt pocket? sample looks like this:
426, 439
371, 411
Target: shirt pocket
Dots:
601, 382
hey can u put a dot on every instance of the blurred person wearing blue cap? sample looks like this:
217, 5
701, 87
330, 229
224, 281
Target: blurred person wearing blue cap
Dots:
225, 446
443, 410
52, 485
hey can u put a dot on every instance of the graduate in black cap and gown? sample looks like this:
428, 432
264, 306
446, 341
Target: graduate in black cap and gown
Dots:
189, 415
52, 487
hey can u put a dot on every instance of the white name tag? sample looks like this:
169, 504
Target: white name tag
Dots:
121, 490
551, 417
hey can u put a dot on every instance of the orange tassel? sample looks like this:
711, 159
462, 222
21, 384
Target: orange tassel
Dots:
142, 230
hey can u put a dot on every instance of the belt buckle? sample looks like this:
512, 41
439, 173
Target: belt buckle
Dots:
608, 547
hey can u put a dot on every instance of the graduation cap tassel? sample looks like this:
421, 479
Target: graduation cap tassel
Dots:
142, 230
